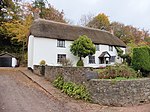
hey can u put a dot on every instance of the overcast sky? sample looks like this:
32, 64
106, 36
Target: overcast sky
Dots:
129, 12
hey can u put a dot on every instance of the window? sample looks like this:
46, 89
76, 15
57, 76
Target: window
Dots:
110, 48
60, 57
97, 47
112, 58
91, 59
60, 43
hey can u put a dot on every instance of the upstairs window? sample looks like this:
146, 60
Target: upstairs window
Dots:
91, 59
110, 48
97, 47
60, 57
60, 43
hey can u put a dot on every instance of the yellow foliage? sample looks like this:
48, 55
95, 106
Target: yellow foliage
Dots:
19, 28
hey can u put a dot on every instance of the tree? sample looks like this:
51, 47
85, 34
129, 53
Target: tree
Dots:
82, 47
49, 13
101, 21
128, 33
85, 19
19, 28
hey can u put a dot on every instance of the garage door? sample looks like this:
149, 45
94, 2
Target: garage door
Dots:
5, 61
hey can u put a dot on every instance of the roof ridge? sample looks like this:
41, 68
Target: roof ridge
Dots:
78, 26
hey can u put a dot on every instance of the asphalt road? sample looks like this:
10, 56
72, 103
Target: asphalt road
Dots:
20, 94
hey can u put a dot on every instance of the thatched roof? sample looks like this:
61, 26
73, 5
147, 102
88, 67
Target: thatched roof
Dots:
56, 30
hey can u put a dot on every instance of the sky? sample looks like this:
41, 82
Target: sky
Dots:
128, 12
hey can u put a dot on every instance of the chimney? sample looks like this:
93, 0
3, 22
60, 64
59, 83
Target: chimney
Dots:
36, 13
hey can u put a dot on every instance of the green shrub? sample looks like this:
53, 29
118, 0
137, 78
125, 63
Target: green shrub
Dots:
112, 72
80, 63
42, 62
141, 59
72, 89
58, 82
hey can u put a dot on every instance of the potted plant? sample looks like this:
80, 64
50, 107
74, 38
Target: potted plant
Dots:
42, 67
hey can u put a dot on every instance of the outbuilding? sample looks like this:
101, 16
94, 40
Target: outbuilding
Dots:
8, 60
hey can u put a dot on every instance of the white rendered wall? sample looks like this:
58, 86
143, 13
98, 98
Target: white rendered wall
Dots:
14, 62
102, 48
30, 51
46, 49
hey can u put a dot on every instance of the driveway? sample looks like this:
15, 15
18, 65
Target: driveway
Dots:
19, 94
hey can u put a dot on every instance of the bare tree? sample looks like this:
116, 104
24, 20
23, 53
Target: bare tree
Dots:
85, 19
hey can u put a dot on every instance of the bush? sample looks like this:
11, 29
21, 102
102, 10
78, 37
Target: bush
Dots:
66, 62
141, 59
126, 59
80, 63
112, 72
72, 89
42, 62
58, 82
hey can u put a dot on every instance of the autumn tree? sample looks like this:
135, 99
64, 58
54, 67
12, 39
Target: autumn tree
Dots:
128, 33
47, 11
101, 21
82, 47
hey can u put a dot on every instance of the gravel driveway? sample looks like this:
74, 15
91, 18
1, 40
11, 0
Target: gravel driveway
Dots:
20, 94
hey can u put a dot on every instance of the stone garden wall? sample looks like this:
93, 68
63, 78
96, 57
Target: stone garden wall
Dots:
79, 75
120, 93
105, 92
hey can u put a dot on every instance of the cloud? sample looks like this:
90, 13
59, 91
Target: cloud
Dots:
132, 12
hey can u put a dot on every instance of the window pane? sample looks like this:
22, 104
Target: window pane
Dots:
60, 43
91, 59
112, 59
110, 48
60, 57
97, 47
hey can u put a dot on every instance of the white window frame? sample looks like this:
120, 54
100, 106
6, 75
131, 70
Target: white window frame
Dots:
97, 47
110, 48
60, 43
60, 56
91, 59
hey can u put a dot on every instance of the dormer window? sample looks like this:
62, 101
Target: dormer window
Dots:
60, 43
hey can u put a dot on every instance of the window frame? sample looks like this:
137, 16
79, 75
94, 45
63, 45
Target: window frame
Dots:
60, 56
112, 59
110, 48
97, 46
91, 59
60, 43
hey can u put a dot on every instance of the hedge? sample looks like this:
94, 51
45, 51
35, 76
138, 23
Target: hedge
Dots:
141, 58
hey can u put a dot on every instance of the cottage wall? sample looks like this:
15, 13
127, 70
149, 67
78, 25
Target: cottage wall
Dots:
46, 49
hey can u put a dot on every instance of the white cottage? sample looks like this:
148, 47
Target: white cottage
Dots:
50, 41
